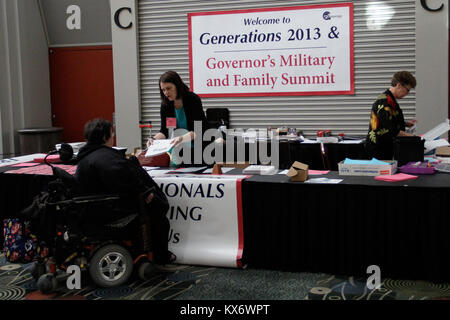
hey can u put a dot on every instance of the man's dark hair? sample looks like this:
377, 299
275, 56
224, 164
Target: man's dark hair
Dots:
405, 78
97, 131
173, 77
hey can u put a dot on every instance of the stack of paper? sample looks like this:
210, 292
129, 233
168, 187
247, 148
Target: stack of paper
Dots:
430, 145
189, 170
443, 167
431, 137
373, 161
260, 169
395, 177
27, 158
323, 180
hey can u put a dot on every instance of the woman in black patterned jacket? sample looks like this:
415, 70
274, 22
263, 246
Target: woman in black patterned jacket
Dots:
386, 120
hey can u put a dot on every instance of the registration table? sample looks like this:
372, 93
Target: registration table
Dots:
402, 227
340, 229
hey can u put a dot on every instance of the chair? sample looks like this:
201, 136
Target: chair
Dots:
217, 117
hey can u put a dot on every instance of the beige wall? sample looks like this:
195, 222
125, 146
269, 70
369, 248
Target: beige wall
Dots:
126, 83
432, 65
24, 69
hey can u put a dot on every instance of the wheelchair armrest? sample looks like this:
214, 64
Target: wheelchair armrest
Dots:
122, 222
95, 198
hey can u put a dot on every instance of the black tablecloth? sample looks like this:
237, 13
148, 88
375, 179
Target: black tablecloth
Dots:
341, 229
402, 227
311, 154
18, 190
308, 153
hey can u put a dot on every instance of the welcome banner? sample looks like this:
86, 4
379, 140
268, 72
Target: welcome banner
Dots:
305, 50
205, 217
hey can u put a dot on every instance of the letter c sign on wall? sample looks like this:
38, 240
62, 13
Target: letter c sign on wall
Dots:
426, 7
117, 21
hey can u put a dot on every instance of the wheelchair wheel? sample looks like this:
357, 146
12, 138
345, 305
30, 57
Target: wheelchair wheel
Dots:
145, 270
111, 266
47, 283
38, 269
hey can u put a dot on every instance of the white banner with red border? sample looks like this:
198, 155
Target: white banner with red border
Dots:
205, 217
302, 50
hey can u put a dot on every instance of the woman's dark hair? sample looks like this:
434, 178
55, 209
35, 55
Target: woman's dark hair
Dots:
405, 78
172, 77
97, 131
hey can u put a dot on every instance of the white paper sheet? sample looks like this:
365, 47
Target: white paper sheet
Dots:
437, 131
159, 147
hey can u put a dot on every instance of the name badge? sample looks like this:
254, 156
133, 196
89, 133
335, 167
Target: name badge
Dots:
171, 123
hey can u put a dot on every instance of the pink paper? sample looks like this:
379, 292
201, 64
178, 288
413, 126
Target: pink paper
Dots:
317, 172
395, 177
25, 164
43, 169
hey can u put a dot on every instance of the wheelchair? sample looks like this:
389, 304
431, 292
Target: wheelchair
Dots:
109, 253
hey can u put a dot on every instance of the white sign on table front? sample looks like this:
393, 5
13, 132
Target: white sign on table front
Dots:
305, 50
205, 217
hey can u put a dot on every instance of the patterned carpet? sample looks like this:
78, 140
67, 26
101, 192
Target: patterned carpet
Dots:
16, 283
200, 283
335, 288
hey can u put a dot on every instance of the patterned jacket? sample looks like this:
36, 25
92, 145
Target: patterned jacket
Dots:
386, 121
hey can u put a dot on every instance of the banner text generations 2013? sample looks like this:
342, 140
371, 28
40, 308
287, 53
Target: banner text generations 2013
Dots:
299, 34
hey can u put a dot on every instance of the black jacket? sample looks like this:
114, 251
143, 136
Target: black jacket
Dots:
193, 109
104, 170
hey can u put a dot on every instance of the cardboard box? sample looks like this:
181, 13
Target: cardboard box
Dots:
367, 169
298, 172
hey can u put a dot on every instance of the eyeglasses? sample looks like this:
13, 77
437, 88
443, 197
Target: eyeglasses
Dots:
406, 88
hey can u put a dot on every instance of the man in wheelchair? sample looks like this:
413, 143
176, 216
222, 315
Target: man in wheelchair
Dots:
110, 216
104, 170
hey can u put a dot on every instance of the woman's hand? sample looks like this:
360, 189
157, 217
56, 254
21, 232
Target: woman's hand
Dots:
404, 134
176, 141
410, 123
184, 138
157, 136
149, 142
